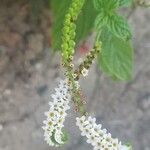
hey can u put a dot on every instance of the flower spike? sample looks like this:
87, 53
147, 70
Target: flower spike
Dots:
99, 138
53, 125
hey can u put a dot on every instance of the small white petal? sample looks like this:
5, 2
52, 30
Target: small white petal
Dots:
45, 122
84, 72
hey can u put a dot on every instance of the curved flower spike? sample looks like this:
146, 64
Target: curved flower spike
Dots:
53, 133
99, 138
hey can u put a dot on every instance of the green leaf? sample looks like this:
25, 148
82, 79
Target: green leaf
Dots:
125, 3
108, 17
97, 4
119, 27
100, 21
107, 5
85, 21
111, 5
59, 9
116, 58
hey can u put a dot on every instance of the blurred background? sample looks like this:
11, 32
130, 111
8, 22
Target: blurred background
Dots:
30, 70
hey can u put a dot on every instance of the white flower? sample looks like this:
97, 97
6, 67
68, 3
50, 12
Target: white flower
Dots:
92, 121
84, 72
96, 136
56, 114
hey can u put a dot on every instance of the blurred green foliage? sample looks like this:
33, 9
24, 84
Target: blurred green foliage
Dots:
85, 21
116, 58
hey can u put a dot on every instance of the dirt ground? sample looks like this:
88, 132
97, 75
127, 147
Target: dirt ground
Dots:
29, 72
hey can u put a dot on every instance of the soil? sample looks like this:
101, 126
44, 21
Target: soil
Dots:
29, 72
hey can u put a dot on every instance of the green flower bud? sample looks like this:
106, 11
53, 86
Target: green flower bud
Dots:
64, 46
70, 27
89, 58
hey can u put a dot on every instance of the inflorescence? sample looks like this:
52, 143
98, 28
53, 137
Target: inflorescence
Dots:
53, 125
99, 138
69, 89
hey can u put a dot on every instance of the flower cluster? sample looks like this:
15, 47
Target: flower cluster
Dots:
68, 38
69, 89
54, 135
96, 136
85, 65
